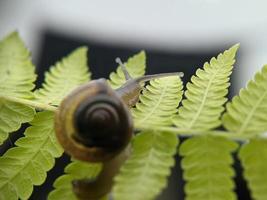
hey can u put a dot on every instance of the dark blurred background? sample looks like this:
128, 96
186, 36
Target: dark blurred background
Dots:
176, 35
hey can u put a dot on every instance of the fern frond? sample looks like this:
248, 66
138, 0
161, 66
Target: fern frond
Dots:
145, 173
26, 165
75, 170
158, 102
253, 156
135, 65
247, 113
16, 80
206, 168
66, 75
205, 96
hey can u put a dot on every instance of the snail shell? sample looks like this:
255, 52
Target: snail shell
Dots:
93, 123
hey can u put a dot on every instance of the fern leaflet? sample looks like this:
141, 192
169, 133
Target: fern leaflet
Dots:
26, 165
135, 65
158, 102
66, 75
74, 170
247, 113
16, 69
149, 165
16, 80
205, 96
206, 168
253, 156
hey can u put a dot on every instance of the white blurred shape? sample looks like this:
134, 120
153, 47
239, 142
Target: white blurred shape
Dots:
199, 25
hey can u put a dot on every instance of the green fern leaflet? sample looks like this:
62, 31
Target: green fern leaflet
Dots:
65, 76
158, 102
205, 96
16, 69
16, 80
207, 168
247, 113
253, 156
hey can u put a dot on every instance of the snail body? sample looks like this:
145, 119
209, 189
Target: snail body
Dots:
88, 189
94, 124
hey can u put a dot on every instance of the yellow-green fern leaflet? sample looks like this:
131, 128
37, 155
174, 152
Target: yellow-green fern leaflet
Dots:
247, 113
62, 78
205, 96
253, 156
207, 168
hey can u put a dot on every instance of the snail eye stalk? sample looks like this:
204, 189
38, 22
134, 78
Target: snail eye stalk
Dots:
124, 69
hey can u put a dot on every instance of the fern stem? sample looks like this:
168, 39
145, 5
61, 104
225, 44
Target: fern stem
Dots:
30, 103
189, 132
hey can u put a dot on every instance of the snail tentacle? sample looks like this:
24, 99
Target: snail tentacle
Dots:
124, 69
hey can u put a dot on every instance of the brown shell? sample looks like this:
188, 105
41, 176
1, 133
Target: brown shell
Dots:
65, 129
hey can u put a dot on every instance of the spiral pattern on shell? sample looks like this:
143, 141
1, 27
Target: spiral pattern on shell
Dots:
92, 123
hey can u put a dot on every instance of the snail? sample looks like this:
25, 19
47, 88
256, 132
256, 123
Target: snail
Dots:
93, 123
